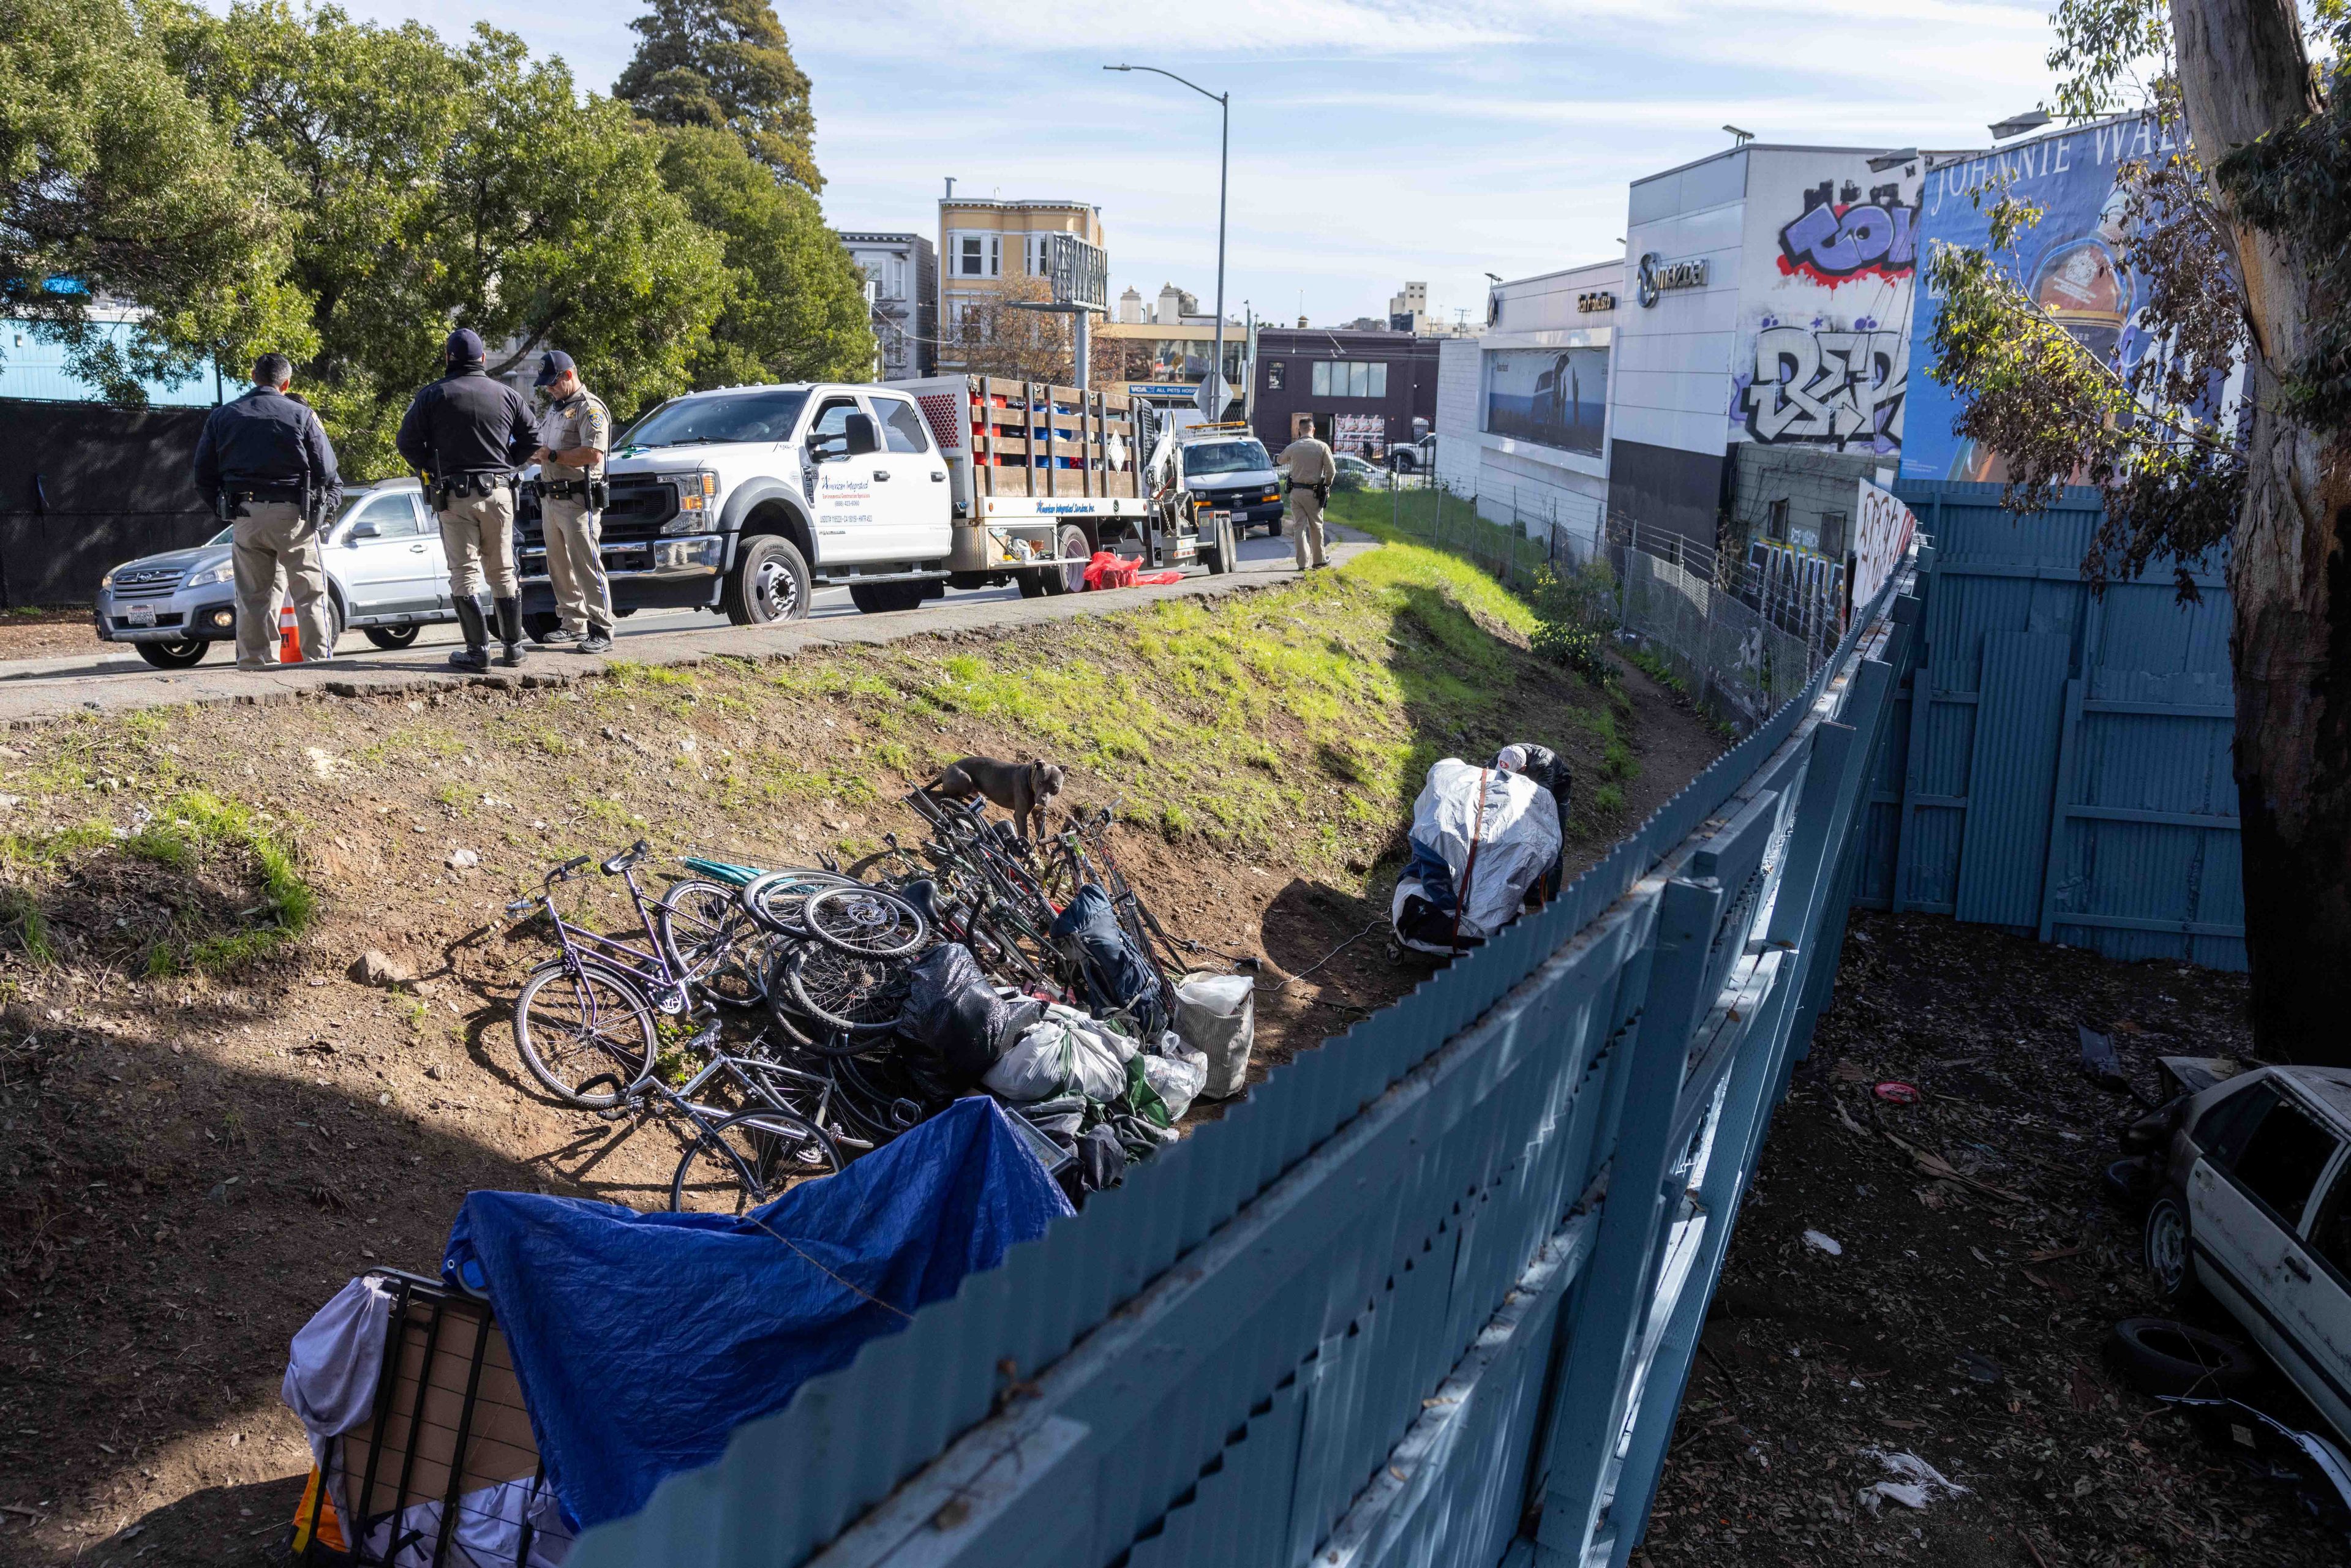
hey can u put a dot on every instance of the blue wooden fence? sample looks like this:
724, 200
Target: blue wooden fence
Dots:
2061, 763
1429, 1295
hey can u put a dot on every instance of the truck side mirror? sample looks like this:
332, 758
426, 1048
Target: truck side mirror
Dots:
861, 434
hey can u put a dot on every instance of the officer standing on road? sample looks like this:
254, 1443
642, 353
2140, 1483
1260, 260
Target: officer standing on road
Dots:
266, 464
574, 434
1310, 467
466, 432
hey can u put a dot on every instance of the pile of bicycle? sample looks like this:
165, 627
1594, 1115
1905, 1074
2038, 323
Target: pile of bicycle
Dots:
793, 1018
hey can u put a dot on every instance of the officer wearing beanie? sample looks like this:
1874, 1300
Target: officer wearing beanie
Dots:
574, 434
465, 433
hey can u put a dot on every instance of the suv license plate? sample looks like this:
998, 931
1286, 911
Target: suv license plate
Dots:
139, 614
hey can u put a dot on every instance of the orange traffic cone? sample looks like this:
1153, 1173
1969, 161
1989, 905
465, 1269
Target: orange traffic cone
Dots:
290, 636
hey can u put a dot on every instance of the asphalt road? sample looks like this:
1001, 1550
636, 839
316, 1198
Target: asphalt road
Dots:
112, 678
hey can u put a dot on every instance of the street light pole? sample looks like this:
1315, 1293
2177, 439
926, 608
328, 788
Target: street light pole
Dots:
1224, 101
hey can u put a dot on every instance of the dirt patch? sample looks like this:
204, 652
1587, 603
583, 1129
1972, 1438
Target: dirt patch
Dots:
191, 1163
1965, 1319
48, 633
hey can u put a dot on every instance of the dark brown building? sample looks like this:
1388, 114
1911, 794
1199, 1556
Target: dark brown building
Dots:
1361, 392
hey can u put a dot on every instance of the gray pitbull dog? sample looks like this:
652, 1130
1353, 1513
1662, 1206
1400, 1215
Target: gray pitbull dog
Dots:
1023, 788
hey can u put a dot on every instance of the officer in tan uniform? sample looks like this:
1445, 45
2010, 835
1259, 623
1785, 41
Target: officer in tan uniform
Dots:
265, 463
575, 431
1311, 468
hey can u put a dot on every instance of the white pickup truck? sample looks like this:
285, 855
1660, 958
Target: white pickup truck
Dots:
745, 499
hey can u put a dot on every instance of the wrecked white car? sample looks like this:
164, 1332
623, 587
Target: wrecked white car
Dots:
2251, 1201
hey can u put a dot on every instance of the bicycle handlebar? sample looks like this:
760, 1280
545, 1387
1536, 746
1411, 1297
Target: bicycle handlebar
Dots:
633, 855
563, 873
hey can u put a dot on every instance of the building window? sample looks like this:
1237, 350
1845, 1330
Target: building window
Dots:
1273, 375
1350, 378
976, 254
1775, 526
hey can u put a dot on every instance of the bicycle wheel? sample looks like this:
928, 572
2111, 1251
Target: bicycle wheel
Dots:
775, 900
750, 1158
573, 1026
707, 936
851, 993
866, 921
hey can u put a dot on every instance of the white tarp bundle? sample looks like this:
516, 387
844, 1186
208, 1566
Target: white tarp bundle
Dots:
1496, 832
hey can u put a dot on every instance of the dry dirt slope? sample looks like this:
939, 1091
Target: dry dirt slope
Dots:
207, 1123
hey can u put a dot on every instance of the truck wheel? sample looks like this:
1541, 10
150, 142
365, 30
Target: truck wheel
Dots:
391, 637
1070, 542
539, 624
769, 583
1035, 584
882, 598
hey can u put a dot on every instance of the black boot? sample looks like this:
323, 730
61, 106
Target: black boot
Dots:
510, 631
476, 654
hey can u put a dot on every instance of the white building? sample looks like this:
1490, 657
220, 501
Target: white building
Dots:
1522, 408
901, 281
1761, 351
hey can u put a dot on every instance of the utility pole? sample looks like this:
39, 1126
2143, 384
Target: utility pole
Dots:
1224, 101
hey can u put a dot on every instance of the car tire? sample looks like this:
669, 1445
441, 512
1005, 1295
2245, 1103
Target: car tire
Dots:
538, 624
184, 654
769, 582
2163, 1357
884, 598
391, 637
2164, 1241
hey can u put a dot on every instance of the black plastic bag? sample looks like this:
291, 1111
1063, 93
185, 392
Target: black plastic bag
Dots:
954, 1023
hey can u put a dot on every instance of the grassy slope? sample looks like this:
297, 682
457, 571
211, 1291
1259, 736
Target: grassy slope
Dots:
189, 1023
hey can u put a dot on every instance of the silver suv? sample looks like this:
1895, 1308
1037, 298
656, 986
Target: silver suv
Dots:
386, 577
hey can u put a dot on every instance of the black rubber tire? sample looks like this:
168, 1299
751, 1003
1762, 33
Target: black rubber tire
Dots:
2164, 1249
876, 979
1069, 541
1034, 584
392, 638
708, 938
621, 1049
870, 922
185, 654
750, 1158
539, 624
2161, 1357
884, 598
769, 582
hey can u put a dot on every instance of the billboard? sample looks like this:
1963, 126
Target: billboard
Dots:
1552, 397
1826, 274
2068, 263
1882, 530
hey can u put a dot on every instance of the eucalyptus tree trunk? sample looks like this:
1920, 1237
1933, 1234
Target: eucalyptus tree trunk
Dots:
2242, 71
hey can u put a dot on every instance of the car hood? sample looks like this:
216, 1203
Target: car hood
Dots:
193, 558
1247, 479
725, 457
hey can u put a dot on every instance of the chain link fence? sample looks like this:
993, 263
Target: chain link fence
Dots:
1741, 641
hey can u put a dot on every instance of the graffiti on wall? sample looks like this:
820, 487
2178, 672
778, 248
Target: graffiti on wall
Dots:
1817, 385
1839, 237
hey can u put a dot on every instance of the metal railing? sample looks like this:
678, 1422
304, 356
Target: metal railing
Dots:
1429, 1294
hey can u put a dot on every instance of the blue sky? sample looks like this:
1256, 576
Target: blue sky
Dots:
1373, 139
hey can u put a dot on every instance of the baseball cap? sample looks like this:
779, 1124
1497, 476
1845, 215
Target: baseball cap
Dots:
464, 347
552, 366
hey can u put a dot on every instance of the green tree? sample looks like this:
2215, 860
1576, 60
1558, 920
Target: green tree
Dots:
438, 185
796, 309
114, 182
725, 65
2245, 242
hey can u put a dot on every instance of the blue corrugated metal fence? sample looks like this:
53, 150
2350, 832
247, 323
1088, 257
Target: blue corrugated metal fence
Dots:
2060, 762
1429, 1295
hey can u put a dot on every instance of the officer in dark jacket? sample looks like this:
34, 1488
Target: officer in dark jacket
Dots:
266, 465
467, 434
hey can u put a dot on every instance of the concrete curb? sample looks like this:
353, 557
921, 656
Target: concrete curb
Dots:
412, 675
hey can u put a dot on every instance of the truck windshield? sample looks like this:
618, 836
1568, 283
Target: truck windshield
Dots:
722, 416
1224, 457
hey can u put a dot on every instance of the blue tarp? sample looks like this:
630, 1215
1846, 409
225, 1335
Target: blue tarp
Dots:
642, 1339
